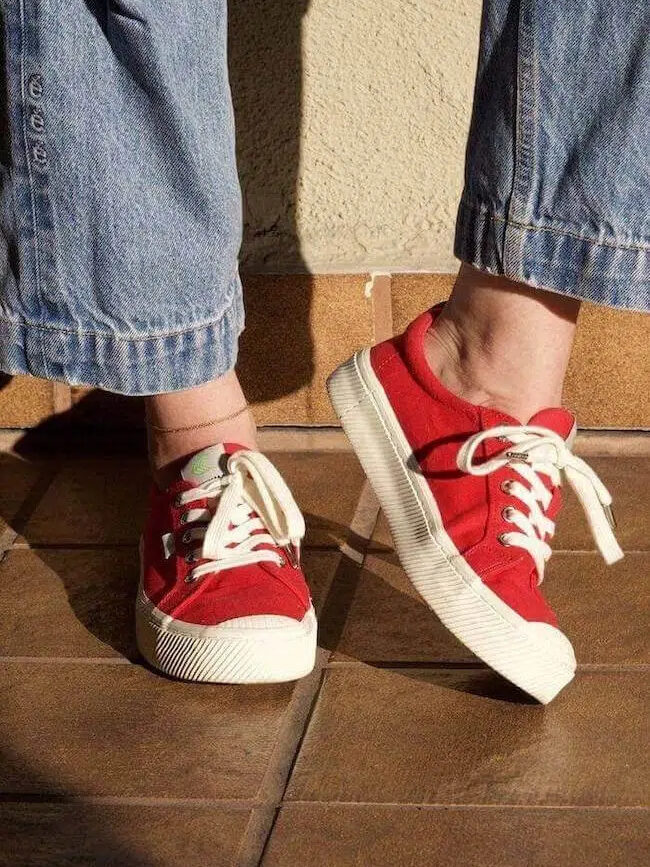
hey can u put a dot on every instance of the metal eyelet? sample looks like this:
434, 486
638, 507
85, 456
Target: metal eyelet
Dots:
190, 579
282, 562
507, 513
190, 558
187, 536
184, 518
506, 485
503, 539
177, 501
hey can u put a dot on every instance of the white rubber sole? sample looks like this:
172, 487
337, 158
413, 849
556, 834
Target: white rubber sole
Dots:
537, 657
256, 649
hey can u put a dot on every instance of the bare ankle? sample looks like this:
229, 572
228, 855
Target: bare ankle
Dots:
502, 344
182, 423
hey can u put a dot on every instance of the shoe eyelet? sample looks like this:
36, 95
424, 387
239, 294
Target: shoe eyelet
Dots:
187, 537
507, 513
503, 539
506, 485
190, 579
184, 518
190, 558
282, 562
177, 501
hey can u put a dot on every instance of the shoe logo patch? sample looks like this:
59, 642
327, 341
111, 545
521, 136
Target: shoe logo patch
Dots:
200, 465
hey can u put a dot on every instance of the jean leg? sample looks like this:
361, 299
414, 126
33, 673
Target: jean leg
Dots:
120, 203
557, 187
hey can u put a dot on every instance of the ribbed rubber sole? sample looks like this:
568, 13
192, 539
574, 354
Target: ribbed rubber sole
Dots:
536, 657
225, 654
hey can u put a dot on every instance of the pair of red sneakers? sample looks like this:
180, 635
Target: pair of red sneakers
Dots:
471, 496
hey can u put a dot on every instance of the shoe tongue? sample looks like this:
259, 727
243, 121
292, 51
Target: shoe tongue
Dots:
556, 419
206, 465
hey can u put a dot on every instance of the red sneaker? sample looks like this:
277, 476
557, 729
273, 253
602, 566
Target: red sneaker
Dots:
471, 496
222, 596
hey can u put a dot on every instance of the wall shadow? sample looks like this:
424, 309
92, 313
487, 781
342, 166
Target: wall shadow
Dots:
266, 74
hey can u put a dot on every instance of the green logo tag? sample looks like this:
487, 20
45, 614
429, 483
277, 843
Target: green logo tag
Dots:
201, 465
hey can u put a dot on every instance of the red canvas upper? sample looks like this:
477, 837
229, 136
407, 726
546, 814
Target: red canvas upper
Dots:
260, 588
436, 424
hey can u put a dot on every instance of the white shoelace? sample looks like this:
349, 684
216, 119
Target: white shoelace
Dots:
540, 451
231, 537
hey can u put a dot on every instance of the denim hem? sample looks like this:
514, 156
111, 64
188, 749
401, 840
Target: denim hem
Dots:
548, 258
136, 364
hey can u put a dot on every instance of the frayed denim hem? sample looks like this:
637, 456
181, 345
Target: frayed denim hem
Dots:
603, 273
131, 365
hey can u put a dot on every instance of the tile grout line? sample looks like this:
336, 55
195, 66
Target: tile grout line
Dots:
70, 660
303, 700
245, 804
429, 665
296, 721
56, 798
379, 287
61, 397
444, 665
442, 805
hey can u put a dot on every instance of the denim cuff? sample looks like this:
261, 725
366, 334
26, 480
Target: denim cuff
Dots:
129, 364
553, 259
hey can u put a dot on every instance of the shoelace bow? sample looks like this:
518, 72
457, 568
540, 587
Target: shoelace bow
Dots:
542, 452
231, 536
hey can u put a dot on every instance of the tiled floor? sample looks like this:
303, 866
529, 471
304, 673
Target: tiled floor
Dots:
400, 749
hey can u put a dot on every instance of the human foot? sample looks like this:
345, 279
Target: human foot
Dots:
471, 496
222, 596
501, 344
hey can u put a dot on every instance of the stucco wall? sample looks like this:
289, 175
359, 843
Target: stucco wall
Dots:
351, 120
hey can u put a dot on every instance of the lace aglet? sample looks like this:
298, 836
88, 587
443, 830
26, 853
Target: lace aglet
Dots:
169, 545
293, 554
609, 514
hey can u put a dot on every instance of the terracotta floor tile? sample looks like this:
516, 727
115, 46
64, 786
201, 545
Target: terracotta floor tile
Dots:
608, 373
380, 617
95, 407
413, 293
71, 602
24, 401
326, 486
79, 602
467, 737
70, 835
320, 320
17, 479
603, 609
120, 730
321, 569
331, 835
628, 481
92, 500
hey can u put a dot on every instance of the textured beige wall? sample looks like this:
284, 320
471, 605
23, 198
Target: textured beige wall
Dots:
352, 119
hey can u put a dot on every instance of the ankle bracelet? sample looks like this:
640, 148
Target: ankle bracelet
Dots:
199, 425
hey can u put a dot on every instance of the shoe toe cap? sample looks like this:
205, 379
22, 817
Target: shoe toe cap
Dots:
555, 641
262, 622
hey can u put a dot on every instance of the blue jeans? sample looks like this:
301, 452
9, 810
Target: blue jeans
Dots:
557, 186
120, 207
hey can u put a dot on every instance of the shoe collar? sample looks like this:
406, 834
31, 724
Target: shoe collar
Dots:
557, 419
